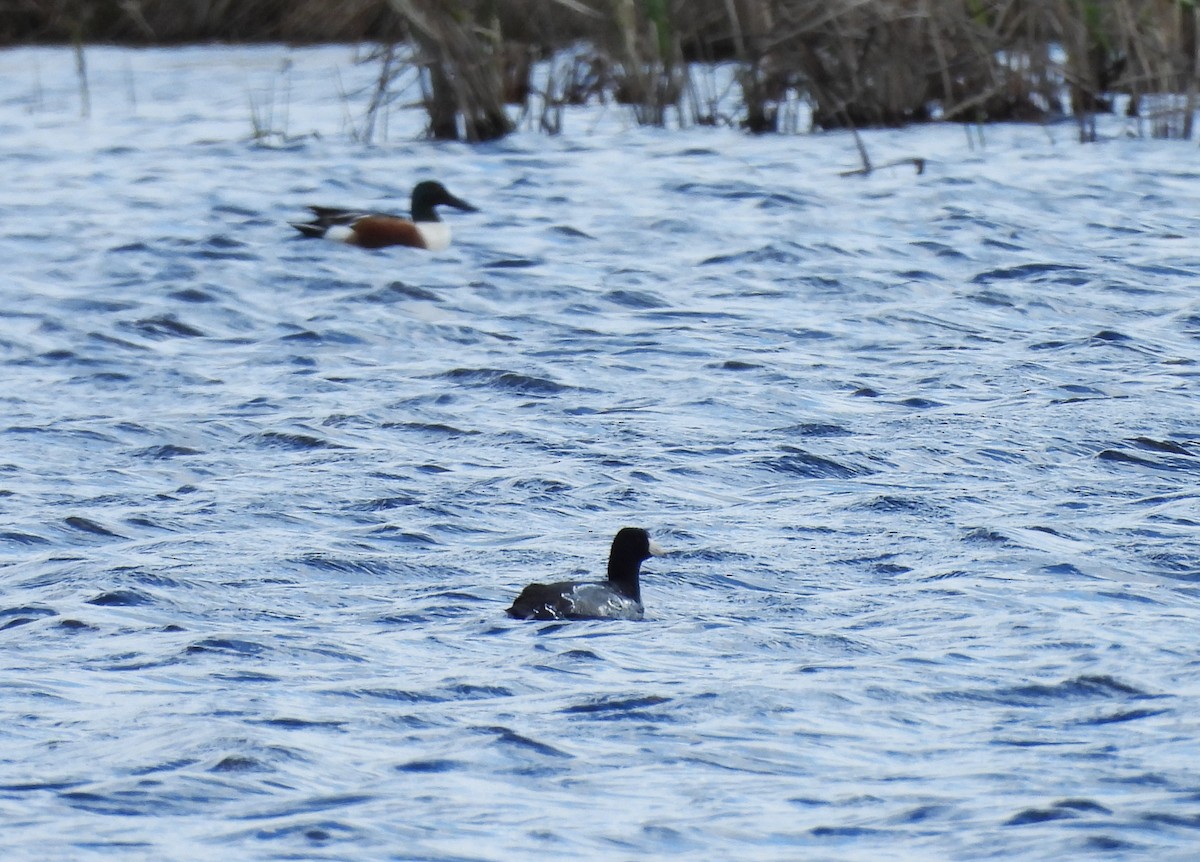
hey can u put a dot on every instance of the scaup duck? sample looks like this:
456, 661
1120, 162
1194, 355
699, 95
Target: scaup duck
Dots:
377, 230
618, 598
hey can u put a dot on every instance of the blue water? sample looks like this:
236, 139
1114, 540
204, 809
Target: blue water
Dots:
925, 450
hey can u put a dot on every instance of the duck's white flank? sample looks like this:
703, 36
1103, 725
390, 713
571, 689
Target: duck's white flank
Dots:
340, 233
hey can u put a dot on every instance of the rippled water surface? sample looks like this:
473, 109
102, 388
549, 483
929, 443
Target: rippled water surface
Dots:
925, 450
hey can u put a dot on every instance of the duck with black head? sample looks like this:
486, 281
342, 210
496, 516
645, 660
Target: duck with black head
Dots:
378, 230
617, 598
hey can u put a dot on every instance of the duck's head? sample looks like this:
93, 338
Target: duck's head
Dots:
634, 543
430, 194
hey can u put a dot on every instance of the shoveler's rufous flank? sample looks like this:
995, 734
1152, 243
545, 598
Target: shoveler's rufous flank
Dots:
377, 230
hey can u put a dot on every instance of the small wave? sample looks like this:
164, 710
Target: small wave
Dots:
512, 381
722, 191
738, 365
64, 355
940, 249
86, 525
1053, 272
397, 695
165, 452
404, 536
400, 290
431, 766
512, 263
346, 565
1168, 446
229, 646
985, 535
918, 403
98, 803
510, 737
1121, 716
75, 626
890, 504
469, 691
237, 763
15, 617
628, 707
121, 599
635, 299
766, 255
299, 442
23, 538
1156, 454
167, 326
1077, 688
571, 232
290, 723
1180, 565
384, 504
1066, 809
798, 462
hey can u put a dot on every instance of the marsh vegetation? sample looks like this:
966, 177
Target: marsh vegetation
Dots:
795, 63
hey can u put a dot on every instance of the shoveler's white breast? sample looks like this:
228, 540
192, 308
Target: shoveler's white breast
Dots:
435, 233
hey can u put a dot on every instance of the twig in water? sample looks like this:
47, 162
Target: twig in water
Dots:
917, 162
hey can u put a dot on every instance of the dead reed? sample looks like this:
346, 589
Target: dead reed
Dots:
462, 64
853, 63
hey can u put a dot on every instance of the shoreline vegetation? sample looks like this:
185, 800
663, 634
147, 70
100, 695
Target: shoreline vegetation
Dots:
853, 63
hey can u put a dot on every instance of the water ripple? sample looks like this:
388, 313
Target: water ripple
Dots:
921, 449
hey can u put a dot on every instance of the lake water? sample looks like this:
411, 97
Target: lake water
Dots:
925, 450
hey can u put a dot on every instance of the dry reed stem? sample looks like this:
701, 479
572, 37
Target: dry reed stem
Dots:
463, 83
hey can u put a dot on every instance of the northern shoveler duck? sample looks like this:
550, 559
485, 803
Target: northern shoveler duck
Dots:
377, 230
618, 598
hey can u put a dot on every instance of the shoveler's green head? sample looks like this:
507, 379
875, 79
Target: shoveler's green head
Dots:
430, 194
